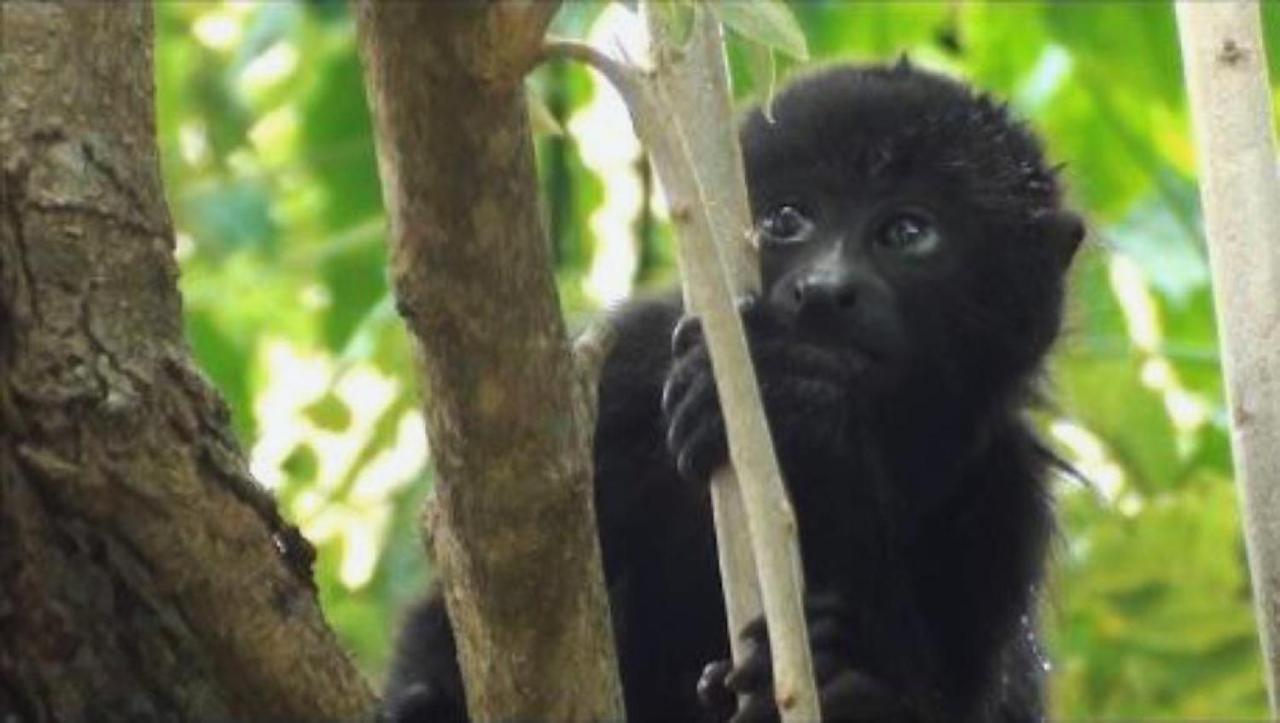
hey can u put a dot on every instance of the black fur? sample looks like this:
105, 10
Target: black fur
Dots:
896, 358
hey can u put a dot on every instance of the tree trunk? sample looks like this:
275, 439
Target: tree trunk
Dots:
143, 573
513, 531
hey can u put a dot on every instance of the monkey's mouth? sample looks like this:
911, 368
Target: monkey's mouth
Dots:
858, 350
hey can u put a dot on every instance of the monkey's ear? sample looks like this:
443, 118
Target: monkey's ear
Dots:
1065, 231
903, 66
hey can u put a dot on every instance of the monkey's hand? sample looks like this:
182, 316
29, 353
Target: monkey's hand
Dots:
744, 694
807, 392
421, 702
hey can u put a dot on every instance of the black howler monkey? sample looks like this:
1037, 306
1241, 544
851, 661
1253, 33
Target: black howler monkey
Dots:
914, 248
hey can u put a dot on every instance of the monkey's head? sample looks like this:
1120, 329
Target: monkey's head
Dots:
912, 222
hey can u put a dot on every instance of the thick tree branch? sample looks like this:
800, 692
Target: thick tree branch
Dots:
515, 538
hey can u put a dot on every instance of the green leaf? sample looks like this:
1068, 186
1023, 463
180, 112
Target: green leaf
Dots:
768, 22
676, 16
544, 123
1107, 394
329, 412
301, 465
231, 217
875, 29
764, 75
1135, 43
1160, 235
356, 280
226, 359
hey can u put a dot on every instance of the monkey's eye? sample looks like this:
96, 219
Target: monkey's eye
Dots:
909, 233
785, 224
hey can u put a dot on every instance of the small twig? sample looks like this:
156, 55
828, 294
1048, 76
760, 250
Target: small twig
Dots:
624, 78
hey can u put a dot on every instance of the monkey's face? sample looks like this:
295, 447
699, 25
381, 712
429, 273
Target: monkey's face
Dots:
870, 271
910, 223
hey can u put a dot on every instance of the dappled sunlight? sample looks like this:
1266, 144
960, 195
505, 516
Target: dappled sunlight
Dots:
348, 498
281, 237
609, 148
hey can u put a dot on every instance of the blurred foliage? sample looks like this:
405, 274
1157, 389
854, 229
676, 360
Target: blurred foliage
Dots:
272, 177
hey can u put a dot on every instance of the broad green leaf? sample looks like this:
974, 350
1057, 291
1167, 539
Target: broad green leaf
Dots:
768, 22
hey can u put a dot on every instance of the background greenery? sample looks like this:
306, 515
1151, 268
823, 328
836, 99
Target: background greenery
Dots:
270, 168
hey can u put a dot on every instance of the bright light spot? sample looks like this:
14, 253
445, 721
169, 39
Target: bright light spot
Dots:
360, 552
1187, 410
326, 510
315, 296
1090, 456
1130, 286
1079, 547
243, 162
308, 505
608, 146
217, 30
395, 467
193, 143
293, 381
1052, 68
269, 68
1157, 374
184, 246
1130, 504
274, 132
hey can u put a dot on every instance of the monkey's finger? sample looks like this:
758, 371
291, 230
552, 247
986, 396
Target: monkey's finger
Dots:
758, 708
686, 335
753, 673
705, 449
684, 373
756, 632
713, 694
761, 319
689, 406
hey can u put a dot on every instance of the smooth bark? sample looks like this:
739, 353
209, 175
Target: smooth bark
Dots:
1226, 70
681, 110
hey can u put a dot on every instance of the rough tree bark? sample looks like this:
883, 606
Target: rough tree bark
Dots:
143, 574
513, 531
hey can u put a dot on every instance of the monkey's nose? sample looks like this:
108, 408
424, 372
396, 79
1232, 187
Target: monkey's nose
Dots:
818, 293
